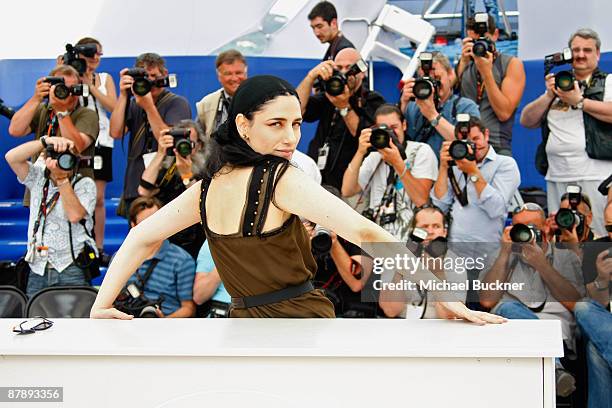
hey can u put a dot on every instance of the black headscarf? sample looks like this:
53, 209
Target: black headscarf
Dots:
227, 147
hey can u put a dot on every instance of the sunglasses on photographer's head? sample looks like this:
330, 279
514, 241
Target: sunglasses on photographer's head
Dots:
33, 325
528, 207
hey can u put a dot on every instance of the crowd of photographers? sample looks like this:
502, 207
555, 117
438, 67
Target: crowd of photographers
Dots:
435, 169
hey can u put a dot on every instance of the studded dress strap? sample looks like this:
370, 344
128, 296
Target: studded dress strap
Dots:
259, 197
203, 192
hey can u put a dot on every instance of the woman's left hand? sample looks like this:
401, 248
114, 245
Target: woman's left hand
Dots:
460, 311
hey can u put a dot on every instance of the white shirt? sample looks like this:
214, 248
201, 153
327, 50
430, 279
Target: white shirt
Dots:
567, 157
104, 138
56, 233
423, 165
307, 165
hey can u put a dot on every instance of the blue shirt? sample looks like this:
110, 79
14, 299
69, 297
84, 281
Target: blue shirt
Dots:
205, 264
417, 124
172, 277
482, 219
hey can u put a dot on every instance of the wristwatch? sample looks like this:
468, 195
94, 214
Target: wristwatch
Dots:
580, 103
186, 181
599, 286
61, 115
344, 111
474, 178
436, 120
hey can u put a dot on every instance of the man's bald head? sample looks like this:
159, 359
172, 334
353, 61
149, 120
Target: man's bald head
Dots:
347, 56
345, 59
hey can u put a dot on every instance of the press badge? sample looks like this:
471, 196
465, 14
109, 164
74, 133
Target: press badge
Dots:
322, 159
98, 162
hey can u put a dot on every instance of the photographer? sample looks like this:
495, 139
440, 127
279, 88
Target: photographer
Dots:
552, 280
431, 220
62, 205
145, 119
477, 188
102, 99
395, 181
173, 273
342, 117
339, 271
432, 120
44, 114
570, 226
593, 316
208, 289
167, 177
324, 23
576, 126
495, 81
231, 71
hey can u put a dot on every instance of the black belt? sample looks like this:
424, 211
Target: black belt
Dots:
272, 297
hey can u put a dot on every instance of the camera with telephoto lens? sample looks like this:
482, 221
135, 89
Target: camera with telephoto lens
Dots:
71, 57
567, 218
524, 234
6, 111
142, 84
462, 128
426, 85
182, 142
564, 80
483, 44
132, 301
65, 160
336, 83
321, 241
62, 91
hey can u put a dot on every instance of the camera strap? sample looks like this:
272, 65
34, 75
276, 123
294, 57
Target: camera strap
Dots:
83, 223
461, 195
367, 186
142, 281
513, 265
44, 209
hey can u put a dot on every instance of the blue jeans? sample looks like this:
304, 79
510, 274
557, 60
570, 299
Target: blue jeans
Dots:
71, 276
595, 323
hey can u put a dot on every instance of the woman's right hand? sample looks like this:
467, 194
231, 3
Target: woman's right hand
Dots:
109, 313
460, 311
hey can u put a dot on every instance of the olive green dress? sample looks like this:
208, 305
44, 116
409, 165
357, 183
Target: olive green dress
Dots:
251, 262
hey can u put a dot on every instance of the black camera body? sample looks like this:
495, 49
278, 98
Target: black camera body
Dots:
425, 86
460, 149
564, 80
71, 57
132, 301
334, 85
524, 234
381, 138
482, 45
436, 248
65, 160
567, 218
62, 91
6, 111
182, 142
142, 84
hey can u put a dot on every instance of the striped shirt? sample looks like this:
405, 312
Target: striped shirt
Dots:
172, 277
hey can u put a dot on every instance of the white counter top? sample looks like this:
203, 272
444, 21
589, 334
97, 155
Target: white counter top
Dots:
285, 337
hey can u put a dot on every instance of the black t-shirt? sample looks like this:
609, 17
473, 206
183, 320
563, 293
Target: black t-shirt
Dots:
339, 43
333, 130
172, 108
591, 250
